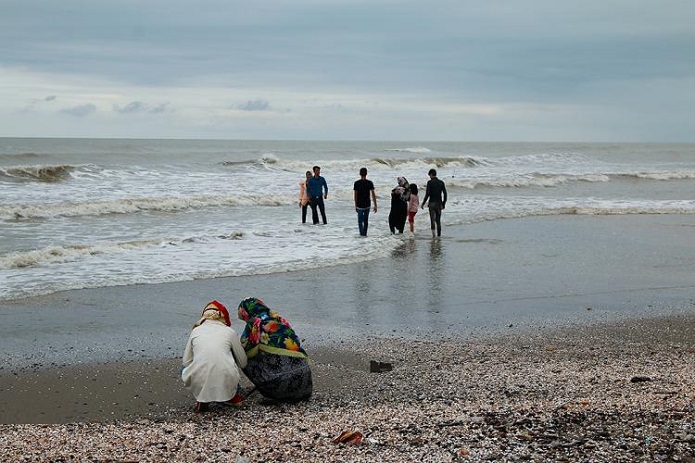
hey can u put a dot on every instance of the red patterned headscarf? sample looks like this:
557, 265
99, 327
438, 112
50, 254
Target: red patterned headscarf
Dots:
214, 310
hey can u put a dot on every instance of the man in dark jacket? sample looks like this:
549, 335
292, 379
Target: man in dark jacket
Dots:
436, 193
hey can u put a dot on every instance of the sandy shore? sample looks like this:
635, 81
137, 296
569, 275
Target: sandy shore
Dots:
620, 393
542, 339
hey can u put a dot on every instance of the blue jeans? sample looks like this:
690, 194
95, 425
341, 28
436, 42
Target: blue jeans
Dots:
362, 219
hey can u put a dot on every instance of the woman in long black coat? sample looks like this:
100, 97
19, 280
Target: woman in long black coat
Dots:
399, 206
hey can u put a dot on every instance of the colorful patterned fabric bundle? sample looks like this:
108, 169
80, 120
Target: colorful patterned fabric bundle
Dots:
267, 331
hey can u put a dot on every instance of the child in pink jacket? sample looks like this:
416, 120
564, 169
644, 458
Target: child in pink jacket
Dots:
413, 204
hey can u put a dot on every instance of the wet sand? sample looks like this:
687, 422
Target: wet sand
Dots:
130, 391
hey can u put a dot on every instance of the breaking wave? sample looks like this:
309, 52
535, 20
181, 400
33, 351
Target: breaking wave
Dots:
37, 173
552, 180
135, 205
62, 254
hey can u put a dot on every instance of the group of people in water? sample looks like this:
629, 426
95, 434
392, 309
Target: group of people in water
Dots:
404, 201
268, 352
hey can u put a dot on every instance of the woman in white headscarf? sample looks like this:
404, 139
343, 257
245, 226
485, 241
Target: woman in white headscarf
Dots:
304, 198
212, 359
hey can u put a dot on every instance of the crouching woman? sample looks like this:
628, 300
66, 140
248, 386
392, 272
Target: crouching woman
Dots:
277, 365
211, 357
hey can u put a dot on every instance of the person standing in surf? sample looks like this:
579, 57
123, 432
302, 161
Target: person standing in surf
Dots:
318, 191
399, 205
436, 194
413, 204
363, 189
304, 198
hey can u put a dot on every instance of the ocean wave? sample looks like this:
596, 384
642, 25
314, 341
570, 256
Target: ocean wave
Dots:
658, 175
76, 252
522, 180
483, 209
540, 162
416, 149
136, 205
265, 159
39, 173
564, 159
277, 162
269, 158
606, 208
537, 179
155, 260
428, 162
62, 254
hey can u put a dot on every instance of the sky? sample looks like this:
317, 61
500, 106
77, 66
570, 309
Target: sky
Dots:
435, 70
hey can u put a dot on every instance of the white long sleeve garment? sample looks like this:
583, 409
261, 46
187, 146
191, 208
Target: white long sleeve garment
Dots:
210, 371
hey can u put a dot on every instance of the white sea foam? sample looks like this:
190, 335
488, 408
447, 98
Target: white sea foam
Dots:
137, 205
234, 254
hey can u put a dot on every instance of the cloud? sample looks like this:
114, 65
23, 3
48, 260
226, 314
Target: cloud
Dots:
132, 107
80, 111
140, 107
254, 105
443, 58
160, 108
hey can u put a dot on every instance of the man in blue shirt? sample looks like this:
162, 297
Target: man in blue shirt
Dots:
316, 186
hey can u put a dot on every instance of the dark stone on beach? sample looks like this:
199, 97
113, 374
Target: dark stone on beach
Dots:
640, 379
379, 367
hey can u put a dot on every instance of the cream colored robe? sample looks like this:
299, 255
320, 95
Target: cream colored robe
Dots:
210, 371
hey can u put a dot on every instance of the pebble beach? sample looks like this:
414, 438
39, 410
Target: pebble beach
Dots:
619, 392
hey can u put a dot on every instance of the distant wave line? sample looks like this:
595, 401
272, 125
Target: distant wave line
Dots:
417, 149
536, 179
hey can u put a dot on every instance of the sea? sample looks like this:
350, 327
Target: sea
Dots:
89, 213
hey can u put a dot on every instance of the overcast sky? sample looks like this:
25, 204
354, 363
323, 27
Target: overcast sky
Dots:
478, 70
